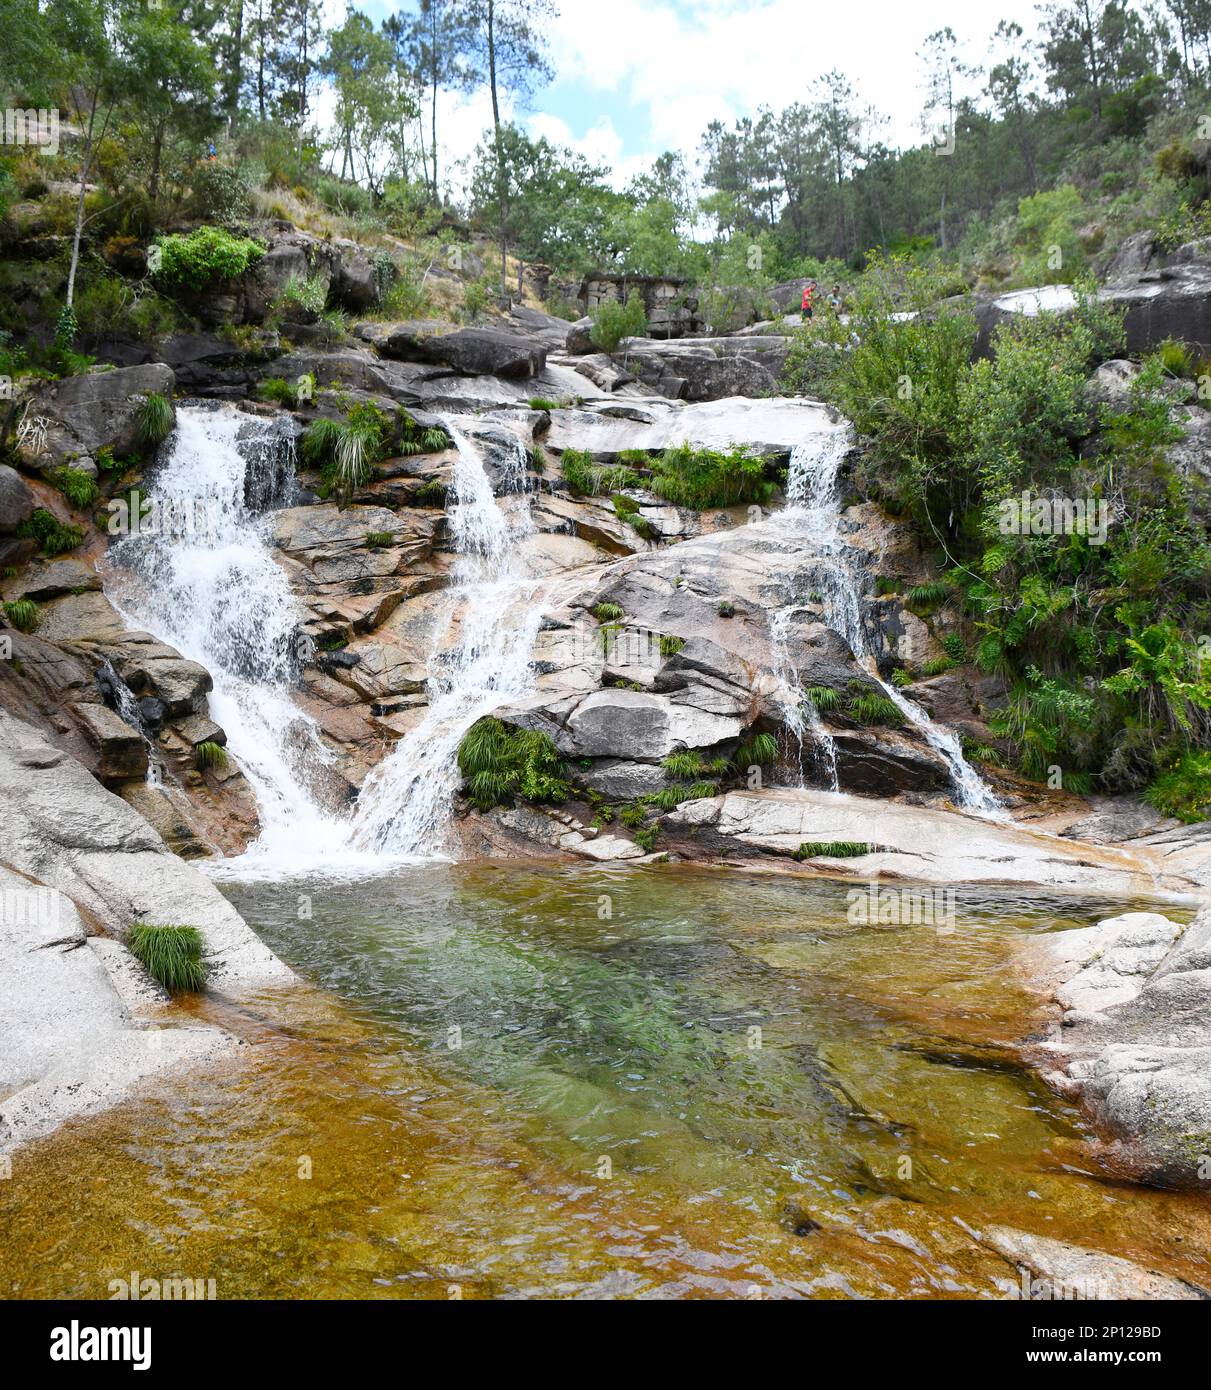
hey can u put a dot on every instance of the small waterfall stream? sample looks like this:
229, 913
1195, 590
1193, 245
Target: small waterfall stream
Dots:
200, 574
405, 805
813, 511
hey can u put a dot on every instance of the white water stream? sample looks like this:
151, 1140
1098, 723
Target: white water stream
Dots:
199, 573
813, 512
405, 805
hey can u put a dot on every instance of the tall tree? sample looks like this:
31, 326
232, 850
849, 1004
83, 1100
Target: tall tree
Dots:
436, 43
510, 47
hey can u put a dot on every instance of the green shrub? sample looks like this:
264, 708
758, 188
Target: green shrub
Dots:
209, 254
702, 478
23, 613
308, 295
347, 451
499, 762
1183, 788
207, 755
274, 388
589, 479
956, 647
155, 420
632, 815
646, 839
76, 485
612, 322
900, 678
172, 955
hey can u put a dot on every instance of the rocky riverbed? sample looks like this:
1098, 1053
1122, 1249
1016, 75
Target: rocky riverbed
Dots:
471, 575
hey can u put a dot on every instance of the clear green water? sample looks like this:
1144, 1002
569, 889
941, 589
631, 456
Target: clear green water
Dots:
523, 1081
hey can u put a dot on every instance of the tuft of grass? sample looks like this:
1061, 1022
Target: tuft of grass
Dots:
667, 798
608, 612
938, 666
155, 420
376, 540
499, 762
670, 646
928, 596
589, 479
79, 489
347, 450
982, 753
832, 849
23, 613
632, 815
823, 697
172, 954
207, 755
543, 403
900, 678
872, 708
759, 749
684, 767
699, 791
646, 839
726, 609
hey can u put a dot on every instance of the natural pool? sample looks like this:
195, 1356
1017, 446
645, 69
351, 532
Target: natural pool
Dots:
510, 1080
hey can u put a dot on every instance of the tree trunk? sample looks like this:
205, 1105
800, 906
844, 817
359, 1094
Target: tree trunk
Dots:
500, 149
433, 102
85, 165
235, 75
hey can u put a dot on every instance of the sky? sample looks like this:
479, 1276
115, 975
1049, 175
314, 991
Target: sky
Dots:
636, 77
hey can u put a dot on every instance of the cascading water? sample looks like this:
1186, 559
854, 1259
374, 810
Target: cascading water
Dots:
199, 573
799, 715
814, 511
405, 805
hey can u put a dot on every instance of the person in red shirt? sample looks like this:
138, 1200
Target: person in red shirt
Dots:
809, 291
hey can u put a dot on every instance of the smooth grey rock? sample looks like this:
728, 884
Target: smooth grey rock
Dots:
99, 410
1063, 1271
122, 750
16, 500
60, 826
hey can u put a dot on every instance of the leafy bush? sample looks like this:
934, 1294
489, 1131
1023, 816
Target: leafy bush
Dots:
1183, 789
612, 322
499, 762
306, 296
209, 254
275, 388
172, 955
701, 478
347, 451
220, 192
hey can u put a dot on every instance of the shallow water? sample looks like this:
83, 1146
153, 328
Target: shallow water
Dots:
514, 1081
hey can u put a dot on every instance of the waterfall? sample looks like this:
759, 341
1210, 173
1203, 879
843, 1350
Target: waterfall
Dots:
814, 512
799, 715
483, 662
199, 573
